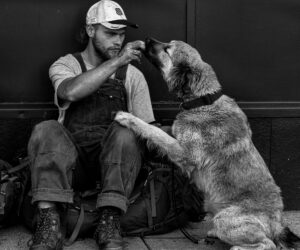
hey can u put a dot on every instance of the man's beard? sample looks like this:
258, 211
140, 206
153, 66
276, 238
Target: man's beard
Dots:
104, 54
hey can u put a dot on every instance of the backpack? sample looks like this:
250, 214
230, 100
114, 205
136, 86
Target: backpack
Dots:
13, 184
166, 202
162, 200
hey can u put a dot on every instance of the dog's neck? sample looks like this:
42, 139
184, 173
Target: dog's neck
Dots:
203, 92
207, 84
205, 100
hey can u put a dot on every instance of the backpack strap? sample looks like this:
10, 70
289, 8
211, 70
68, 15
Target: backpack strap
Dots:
79, 58
2, 197
182, 229
24, 164
76, 230
152, 198
149, 215
4, 165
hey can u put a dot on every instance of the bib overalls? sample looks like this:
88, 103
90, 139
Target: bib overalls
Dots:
88, 150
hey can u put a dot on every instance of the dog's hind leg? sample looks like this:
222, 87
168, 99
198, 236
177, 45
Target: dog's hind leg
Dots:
242, 231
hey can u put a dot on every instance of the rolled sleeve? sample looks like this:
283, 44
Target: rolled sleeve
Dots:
64, 68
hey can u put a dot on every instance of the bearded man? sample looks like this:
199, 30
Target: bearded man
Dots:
85, 149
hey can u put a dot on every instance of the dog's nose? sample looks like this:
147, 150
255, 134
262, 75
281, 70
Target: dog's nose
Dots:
152, 43
149, 40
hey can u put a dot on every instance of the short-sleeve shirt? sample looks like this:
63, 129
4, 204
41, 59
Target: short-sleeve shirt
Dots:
138, 97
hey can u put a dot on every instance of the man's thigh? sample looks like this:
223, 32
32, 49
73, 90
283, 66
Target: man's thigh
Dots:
89, 145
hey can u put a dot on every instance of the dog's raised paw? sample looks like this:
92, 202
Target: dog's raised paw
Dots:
124, 118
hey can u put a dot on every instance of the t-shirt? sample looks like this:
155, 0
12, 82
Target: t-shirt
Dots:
138, 97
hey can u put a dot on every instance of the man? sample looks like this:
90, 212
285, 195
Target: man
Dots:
85, 146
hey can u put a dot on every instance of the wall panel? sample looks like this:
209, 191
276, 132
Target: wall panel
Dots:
285, 159
254, 47
36, 33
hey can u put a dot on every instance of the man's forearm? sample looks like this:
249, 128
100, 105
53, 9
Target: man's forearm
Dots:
74, 89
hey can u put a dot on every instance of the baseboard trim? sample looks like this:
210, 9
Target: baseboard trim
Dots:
164, 109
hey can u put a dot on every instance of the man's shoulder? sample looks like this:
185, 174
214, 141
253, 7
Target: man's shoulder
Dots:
66, 63
66, 59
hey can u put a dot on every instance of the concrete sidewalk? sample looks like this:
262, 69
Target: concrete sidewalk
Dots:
15, 238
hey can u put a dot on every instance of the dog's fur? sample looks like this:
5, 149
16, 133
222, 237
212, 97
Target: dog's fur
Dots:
212, 145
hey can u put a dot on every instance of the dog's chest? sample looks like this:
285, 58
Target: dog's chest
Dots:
186, 132
203, 179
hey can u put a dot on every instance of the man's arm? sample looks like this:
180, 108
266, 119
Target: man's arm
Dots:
76, 88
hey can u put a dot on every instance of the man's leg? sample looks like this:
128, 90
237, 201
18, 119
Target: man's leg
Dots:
120, 162
53, 157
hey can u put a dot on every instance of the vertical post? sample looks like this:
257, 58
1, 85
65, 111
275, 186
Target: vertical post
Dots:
191, 22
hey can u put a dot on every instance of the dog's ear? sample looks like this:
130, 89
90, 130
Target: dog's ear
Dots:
208, 83
193, 77
183, 77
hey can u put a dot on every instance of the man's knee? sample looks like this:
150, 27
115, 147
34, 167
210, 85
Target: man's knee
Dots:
43, 128
123, 135
49, 136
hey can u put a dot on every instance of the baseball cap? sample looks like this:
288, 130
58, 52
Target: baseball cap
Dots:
108, 13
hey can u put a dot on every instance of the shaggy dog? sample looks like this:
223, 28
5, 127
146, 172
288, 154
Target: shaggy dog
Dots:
212, 145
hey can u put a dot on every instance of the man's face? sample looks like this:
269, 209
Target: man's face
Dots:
107, 42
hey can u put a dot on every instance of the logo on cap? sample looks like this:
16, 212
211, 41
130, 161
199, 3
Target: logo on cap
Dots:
119, 11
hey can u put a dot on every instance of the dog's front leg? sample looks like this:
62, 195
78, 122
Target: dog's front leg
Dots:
156, 138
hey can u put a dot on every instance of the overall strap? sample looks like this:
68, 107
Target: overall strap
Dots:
80, 60
121, 73
121, 77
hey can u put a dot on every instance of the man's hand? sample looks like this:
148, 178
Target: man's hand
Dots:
132, 51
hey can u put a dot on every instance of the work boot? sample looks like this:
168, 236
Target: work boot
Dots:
108, 232
48, 234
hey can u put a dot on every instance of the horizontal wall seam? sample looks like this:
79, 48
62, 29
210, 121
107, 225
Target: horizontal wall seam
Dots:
164, 110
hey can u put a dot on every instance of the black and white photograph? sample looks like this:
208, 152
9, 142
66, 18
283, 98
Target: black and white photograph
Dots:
150, 125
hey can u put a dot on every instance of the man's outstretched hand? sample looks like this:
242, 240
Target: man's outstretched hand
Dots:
132, 51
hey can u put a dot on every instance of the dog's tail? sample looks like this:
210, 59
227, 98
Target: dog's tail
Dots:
288, 240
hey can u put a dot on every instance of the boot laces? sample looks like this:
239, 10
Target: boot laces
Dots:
108, 226
46, 232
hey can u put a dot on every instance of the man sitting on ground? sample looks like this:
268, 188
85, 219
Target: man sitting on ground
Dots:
85, 146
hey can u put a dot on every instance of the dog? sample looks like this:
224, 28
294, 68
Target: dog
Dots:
211, 143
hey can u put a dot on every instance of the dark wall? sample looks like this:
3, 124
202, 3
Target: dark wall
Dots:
254, 47
36, 33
